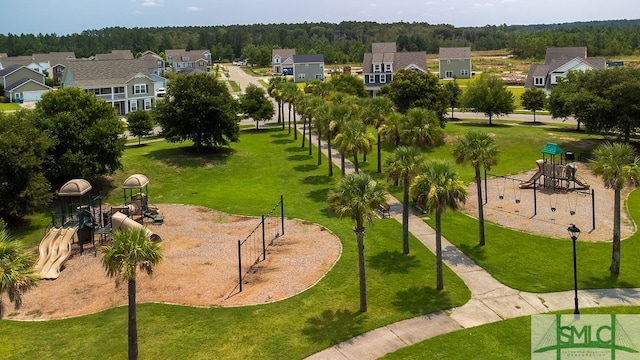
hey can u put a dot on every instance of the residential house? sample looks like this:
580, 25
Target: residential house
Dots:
180, 60
282, 61
20, 83
57, 63
155, 61
308, 67
558, 62
26, 61
383, 61
126, 84
454, 63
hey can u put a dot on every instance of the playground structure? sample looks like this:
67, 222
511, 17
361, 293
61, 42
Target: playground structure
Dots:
555, 175
81, 218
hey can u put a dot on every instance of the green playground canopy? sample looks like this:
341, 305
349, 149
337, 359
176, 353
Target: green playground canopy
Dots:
552, 149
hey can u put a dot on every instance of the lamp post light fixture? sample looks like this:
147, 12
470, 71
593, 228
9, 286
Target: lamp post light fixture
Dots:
574, 233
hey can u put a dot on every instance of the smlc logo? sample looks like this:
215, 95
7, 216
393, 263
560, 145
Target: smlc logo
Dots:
585, 336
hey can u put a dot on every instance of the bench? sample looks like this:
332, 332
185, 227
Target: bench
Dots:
421, 210
384, 210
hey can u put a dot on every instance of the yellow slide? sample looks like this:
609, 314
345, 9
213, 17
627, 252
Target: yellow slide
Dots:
120, 221
54, 250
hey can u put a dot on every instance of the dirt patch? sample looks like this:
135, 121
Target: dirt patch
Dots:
553, 211
199, 268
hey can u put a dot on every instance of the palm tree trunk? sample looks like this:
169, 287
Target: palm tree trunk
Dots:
133, 326
295, 127
379, 155
342, 164
280, 111
289, 118
615, 253
480, 207
490, 123
304, 131
319, 144
361, 268
329, 154
310, 150
439, 276
534, 115
405, 217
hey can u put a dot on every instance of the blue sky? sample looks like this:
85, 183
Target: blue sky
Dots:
71, 16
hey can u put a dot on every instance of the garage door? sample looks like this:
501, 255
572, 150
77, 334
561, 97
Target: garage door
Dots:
32, 95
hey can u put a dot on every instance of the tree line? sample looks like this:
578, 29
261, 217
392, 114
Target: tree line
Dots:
340, 43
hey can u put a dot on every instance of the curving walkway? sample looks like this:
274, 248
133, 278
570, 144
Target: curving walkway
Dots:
491, 301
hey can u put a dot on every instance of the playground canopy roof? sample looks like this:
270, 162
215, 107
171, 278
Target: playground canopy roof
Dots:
75, 187
135, 181
552, 149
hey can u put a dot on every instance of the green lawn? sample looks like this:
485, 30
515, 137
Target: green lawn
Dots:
508, 339
248, 179
9, 106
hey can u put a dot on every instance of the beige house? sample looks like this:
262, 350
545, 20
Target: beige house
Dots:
181, 60
21, 84
125, 84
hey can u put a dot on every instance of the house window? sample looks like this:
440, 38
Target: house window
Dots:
59, 70
302, 76
133, 105
448, 74
140, 88
185, 58
277, 60
538, 81
372, 79
147, 104
464, 72
119, 90
388, 68
318, 76
383, 79
376, 67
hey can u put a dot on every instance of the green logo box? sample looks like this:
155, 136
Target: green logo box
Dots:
585, 336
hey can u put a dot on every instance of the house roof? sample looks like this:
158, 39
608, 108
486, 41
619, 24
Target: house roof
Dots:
105, 73
55, 58
536, 70
388, 47
565, 53
283, 53
308, 58
23, 81
115, 55
193, 55
9, 69
455, 53
404, 60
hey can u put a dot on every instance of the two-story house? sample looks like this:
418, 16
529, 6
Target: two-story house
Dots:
558, 62
181, 60
126, 84
383, 61
20, 83
308, 67
454, 63
57, 63
282, 61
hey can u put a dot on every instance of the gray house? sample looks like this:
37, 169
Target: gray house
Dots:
22, 84
455, 63
558, 62
125, 84
181, 60
282, 61
383, 61
308, 67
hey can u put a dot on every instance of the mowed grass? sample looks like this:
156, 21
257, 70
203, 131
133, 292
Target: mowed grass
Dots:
9, 106
248, 178
508, 339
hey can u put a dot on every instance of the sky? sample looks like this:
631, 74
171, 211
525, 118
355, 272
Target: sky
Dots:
64, 17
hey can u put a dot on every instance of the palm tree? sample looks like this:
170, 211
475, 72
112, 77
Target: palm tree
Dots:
130, 249
438, 188
391, 129
321, 122
480, 150
356, 196
375, 112
309, 105
354, 138
618, 166
289, 95
17, 275
422, 128
403, 166
275, 91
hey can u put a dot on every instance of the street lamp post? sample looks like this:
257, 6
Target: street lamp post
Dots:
574, 232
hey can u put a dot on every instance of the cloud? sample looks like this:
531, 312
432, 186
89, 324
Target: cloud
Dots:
138, 12
373, 5
193, 8
510, 1
152, 3
482, 5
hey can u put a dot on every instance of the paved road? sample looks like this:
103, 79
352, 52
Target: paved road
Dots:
514, 117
